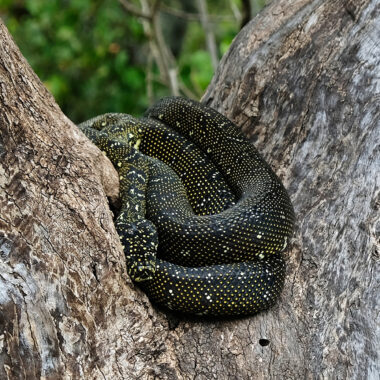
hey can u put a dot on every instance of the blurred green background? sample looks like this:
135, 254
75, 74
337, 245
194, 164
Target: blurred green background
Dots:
97, 56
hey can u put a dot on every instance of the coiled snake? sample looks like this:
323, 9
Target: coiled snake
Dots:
203, 219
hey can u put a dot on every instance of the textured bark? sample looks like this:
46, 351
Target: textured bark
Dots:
302, 81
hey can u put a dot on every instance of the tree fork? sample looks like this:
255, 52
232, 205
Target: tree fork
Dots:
301, 81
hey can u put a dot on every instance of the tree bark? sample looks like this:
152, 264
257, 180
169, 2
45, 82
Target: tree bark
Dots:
302, 81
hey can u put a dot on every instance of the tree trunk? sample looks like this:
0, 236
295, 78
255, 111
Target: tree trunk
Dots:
302, 81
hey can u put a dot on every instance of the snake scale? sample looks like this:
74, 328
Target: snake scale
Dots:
203, 219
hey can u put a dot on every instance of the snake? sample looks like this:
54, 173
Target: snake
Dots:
204, 221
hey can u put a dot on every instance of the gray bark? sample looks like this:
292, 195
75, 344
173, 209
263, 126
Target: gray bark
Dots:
301, 79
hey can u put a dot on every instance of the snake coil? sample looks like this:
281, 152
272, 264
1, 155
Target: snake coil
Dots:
203, 219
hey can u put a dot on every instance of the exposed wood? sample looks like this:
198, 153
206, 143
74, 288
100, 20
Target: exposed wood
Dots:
302, 81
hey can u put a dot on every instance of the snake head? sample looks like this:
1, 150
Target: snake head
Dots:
139, 240
106, 120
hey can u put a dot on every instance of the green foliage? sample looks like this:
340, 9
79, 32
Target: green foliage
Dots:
92, 55
84, 53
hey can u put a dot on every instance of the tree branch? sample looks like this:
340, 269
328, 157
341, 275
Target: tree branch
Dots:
210, 37
134, 10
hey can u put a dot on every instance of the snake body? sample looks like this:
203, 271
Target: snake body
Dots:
203, 220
